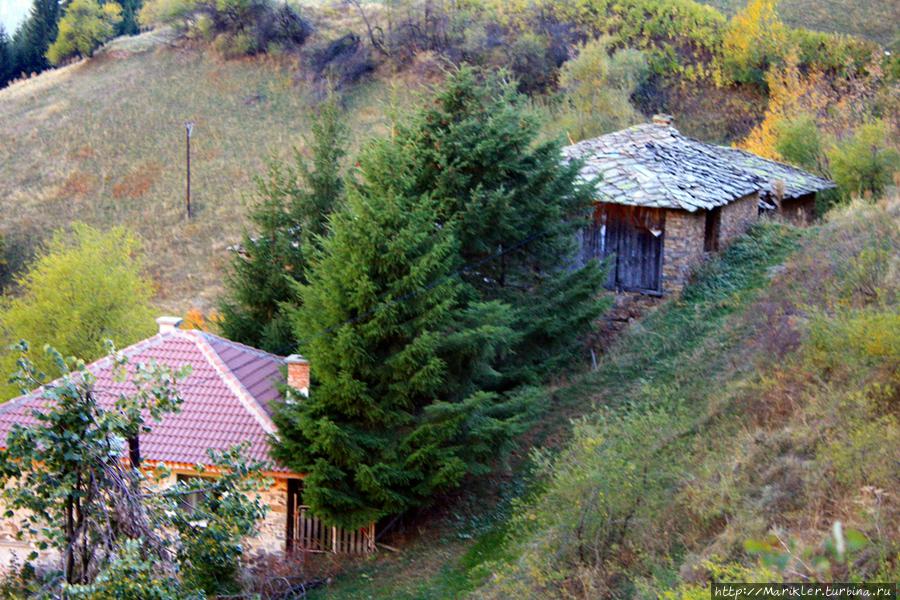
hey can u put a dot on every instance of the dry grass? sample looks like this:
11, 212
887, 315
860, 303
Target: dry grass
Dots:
102, 141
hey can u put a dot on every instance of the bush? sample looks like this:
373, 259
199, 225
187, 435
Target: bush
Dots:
235, 27
755, 41
799, 142
865, 163
85, 26
603, 496
598, 88
131, 575
529, 61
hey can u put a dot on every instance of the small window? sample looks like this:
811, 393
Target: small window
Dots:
189, 502
711, 233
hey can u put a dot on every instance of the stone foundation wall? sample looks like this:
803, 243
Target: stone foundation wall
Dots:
682, 247
737, 218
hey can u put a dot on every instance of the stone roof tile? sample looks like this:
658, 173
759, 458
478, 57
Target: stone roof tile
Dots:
654, 165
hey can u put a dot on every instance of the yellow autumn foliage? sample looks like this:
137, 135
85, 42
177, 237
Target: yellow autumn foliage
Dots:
791, 93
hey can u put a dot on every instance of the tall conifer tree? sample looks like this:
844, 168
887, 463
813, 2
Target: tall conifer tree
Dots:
129, 23
293, 203
396, 413
7, 58
35, 36
517, 207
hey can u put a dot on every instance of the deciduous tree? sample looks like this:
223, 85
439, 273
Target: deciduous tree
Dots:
865, 163
85, 26
599, 87
85, 287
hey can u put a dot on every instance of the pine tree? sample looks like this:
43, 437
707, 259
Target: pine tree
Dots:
293, 204
35, 36
517, 207
396, 413
129, 23
7, 58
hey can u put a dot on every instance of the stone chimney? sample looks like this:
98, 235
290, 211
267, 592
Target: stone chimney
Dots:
664, 120
168, 324
298, 374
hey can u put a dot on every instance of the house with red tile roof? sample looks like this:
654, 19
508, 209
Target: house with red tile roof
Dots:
228, 399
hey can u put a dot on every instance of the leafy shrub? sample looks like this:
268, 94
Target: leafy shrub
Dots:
529, 61
601, 498
864, 164
756, 40
598, 88
235, 27
83, 28
799, 142
131, 575
229, 509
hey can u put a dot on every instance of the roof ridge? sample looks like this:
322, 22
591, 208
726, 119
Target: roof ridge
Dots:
229, 379
251, 349
777, 162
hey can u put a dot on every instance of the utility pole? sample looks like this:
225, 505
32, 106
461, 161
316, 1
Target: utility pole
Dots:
188, 130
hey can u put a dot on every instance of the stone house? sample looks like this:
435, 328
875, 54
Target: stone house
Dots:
664, 201
227, 400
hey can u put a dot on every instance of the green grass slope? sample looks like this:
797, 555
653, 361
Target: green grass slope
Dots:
878, 20
102, 141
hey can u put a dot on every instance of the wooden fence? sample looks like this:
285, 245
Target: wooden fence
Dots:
309, 534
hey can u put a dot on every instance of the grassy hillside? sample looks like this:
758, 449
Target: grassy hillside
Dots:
763, 401
102, 141
877, 20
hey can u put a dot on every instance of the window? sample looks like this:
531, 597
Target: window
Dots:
711, 232
189, 502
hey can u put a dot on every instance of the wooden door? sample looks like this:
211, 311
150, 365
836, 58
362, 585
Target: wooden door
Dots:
634, 236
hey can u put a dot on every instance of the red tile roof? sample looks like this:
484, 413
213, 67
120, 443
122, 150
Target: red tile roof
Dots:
226, 397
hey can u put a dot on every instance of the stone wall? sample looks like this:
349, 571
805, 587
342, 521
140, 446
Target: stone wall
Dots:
272, 535
682, 247
737, 217
799, 211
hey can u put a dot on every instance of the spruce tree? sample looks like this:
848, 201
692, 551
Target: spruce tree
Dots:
7, 58
517, 208
129, 23
293, 202
35, 36
395, 413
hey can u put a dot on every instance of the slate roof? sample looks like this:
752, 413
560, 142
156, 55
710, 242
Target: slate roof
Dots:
653, 165
797, 182
226, 397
